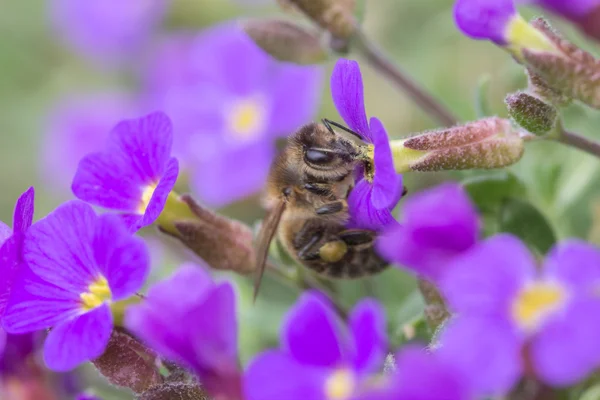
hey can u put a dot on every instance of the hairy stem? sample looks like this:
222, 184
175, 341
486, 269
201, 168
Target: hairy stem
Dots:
418, 94
579, 142
435, 308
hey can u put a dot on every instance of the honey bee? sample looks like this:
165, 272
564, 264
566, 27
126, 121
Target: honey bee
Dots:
305, 199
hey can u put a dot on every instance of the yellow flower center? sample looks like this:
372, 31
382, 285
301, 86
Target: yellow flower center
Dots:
340, 385
521, 34
370, 163
536, 302
146, 197
98, 293
247, 118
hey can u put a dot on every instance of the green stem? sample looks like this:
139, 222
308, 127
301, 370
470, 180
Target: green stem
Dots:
382, 63
435, 310
579, 142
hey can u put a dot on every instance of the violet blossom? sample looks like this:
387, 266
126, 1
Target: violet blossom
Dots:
229, 102
513, 317
485, 19
378, 190
77, 264
135, 173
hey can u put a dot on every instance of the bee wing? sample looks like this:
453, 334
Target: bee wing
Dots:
265, 236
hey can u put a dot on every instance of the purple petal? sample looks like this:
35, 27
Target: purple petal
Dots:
288, 113
574, 262
422, 376
295, 380
162, 191
486, 350
137, 157
5, 232
439, 223
245, 170
362, 212
367, 324
567, 348
484, 19
35, 304
485, 279
313, 335
17, 351
2, 342
58, 248
23, 216
387, 184
123, 259
79, 340
348, 97
10, 265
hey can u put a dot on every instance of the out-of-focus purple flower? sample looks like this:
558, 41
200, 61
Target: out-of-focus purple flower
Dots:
229, 102
319, 357
77, 264
485, 19
17, 349
107, 29
439, 223
78, 127
135, 173
378, 187
513, 316
85, 396
207, 342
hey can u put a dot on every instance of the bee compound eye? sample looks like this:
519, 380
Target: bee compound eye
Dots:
319, 157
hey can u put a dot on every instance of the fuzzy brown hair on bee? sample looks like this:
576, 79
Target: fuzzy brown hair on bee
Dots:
305, 199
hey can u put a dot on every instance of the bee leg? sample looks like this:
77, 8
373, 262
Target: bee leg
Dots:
332, 208
318, 189
330, 252
307, 252
357, 237
404, 191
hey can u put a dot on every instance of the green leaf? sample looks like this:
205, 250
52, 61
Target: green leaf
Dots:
490, 190
482, 106
522, 219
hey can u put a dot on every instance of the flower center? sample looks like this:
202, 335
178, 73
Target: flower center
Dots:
370, 163
98, 293
536, 302
146, 197
247, 118
340, 385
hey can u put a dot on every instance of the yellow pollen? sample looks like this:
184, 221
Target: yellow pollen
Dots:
98, 293
370, 163
536, 302
146, 197
247, 118
340, 385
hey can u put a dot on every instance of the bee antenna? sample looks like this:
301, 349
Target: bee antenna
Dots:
328, 123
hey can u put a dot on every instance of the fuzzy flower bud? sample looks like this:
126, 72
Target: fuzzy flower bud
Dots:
335, 16
567, 69
175, 390
223, 243
532, 113
483, 144
540, 88
286, 41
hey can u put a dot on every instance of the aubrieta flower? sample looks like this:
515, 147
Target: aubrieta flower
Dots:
77, 127
229, 102
485, 19
319, 357
135, 173
190, 319
107, 29
378, 187
78, 263
514, 319
438, 224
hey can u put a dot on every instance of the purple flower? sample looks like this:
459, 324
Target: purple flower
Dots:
15, 352
190, 319
439, 223
485, 19
227, 117
85, 396
377, 189
77, 264
135, 173
107, 29
319, 357
512, 315
77, 127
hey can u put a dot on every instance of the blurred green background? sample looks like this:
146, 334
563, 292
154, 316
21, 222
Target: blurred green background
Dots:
37, 71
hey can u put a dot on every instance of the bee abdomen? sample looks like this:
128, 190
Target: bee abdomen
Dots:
356, 264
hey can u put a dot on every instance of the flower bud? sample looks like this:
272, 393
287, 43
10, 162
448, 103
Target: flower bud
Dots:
566, 69
335, 16
532, 113
175, 390
286, 41
483, 144
128, 363
223, 243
